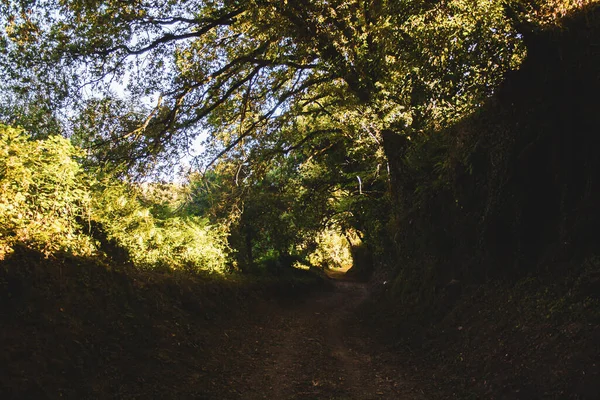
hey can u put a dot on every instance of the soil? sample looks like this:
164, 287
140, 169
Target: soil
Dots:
314, 348
75, 330
535, 339
70, 329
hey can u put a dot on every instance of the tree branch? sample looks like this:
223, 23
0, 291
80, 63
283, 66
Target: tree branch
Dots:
266, 116
224, 20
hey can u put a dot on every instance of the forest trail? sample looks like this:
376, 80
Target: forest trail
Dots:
312, 349
169, 342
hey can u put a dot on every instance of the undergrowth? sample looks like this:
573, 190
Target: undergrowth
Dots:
73, 327
49, 202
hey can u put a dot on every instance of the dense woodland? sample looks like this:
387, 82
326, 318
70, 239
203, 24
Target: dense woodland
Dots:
209, 152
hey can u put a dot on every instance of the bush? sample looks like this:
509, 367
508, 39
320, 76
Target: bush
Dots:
43, 193
334, 248
49, 203
174, 242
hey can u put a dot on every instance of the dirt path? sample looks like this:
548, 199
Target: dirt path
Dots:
96, 335
315, 349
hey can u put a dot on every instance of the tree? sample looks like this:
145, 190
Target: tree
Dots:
246, 70
300, 101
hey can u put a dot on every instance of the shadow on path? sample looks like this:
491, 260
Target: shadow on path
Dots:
313, 349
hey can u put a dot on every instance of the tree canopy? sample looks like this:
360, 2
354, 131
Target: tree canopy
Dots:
257, 76
296, 102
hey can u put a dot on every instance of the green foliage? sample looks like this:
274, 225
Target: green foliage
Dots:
295, 97
549, 12
334, 249
303, 103
50, 203
260, 76
45, 196
160, 239
296, 197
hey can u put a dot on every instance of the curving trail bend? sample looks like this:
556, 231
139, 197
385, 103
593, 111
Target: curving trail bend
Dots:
314, 349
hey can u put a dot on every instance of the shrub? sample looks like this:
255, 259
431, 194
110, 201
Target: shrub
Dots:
334, 248
43, 193
166, 240
49, 203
